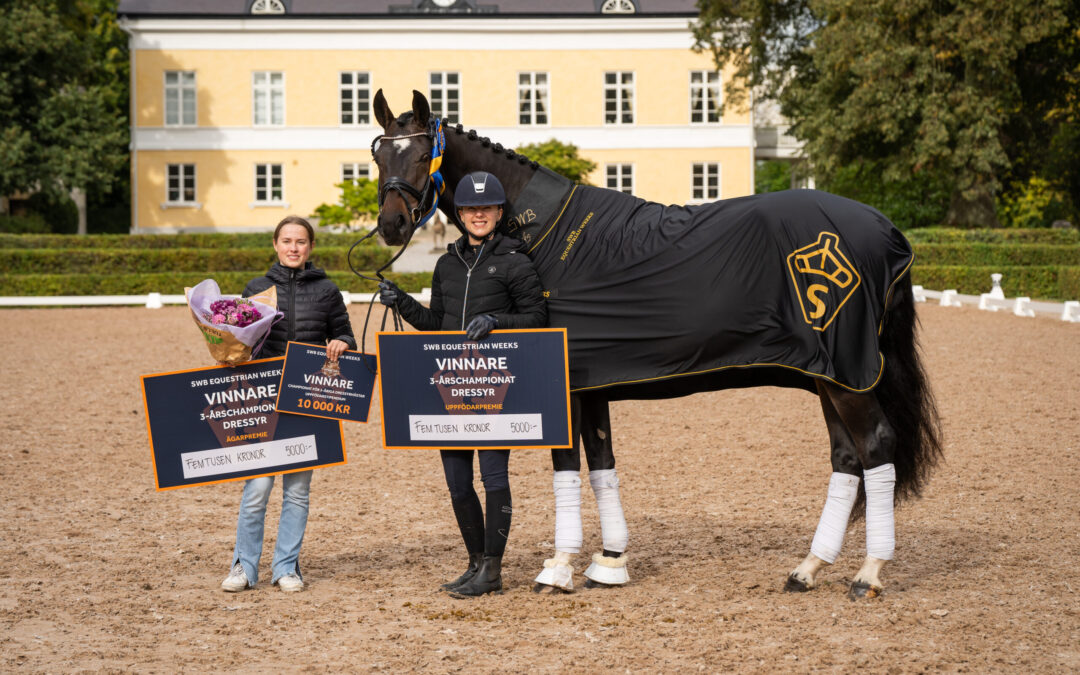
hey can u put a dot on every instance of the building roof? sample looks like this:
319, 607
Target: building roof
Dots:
398, 8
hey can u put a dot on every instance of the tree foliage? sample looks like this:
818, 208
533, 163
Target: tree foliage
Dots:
562, 158
359, 204
63, 97
910, 87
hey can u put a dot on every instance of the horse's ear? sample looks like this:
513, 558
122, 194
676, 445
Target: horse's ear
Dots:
382, 111
420, 108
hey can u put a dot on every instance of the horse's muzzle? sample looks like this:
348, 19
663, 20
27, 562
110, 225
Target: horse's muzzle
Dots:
394, 228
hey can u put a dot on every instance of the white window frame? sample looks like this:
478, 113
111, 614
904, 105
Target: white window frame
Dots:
618, 7
623, 175
620, 92
269, 199
355, 168
704, 86
184, 171
440, 103
184, 92
535, 89
705, 169
354, 89
268, 87
267, 7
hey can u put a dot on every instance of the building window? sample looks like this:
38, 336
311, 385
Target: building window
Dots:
268, 98
267, 7
704, 97
354, 171
180, 188
355, 88
620, 177
532, 98
619, 98
269, 184
617, 7
705, 184
179, 97
444, 94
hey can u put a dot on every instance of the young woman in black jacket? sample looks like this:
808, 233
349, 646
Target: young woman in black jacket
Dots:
483, 282
314, 313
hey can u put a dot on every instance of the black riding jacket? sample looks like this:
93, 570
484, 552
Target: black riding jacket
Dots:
314, 310
492, 278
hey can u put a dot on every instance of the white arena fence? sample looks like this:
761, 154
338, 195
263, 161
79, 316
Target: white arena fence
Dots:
993, 301
156, 300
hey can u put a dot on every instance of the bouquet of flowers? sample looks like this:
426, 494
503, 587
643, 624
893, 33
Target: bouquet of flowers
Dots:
234, 328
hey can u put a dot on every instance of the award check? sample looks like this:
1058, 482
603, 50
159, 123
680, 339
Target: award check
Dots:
313, 385
211, 425
441, 390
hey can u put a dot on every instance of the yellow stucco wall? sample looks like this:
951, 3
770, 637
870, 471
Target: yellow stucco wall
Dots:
225, 186
665, 175
488, 83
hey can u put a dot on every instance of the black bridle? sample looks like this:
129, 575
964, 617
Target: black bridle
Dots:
403, 187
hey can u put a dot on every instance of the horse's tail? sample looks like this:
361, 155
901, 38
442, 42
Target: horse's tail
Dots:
905, 396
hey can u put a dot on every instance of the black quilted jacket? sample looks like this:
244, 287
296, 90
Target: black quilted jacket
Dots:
501, 282
314, 310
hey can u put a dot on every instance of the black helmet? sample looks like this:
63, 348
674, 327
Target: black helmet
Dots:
479, 188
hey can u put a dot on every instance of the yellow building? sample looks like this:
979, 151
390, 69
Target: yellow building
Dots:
244, 111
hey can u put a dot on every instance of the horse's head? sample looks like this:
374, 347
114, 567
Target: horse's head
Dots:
403, 154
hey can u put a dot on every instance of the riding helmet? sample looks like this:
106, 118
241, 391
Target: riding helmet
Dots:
479, 188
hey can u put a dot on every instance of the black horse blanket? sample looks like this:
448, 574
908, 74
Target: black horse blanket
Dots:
659, 301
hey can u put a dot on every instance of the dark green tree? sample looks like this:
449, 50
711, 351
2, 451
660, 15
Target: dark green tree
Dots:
62, 129
562, 158
911, 87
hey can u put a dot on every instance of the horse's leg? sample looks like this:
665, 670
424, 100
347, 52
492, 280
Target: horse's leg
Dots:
609, 567
843, 489
875, 442
558, 574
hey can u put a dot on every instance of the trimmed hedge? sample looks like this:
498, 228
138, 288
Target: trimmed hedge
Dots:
261, 240
944, 235
127, 261
1041, 282
1011, 254
173, 283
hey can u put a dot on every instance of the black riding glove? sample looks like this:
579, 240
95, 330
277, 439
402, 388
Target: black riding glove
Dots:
389, 293
480, 326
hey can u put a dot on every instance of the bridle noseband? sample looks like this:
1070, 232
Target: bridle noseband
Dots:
432, 188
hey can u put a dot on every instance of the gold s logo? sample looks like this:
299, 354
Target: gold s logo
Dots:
824, 279
819, 305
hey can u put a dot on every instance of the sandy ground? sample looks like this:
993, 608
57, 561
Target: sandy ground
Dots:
99, 572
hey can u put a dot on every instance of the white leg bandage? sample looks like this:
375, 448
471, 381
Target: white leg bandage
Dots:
568, 535
880, 526
843, 488
605, 485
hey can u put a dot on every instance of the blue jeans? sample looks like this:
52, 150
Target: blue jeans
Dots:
249, 526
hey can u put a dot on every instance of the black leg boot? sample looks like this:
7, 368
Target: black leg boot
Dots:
470, 518
474, 565
488, 579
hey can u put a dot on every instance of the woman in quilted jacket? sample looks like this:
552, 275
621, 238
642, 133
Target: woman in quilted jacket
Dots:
483, 282
314, 313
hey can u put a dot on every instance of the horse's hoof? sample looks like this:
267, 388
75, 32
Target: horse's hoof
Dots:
589, 583
544, 589
860, 590
795, 585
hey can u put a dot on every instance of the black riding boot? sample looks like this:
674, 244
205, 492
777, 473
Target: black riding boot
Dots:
474, 565
488, 579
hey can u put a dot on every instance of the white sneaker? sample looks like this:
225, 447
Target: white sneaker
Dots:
236, 581
291, 583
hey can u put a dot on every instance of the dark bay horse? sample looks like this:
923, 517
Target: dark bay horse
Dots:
798, 289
